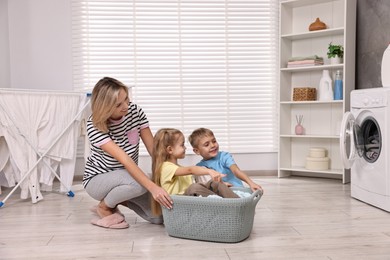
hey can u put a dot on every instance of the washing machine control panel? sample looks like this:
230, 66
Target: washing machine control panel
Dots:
368, 99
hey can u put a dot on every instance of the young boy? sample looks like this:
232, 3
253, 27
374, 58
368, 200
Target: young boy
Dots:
205, 144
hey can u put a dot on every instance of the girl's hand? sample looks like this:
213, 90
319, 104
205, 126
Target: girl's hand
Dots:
162, 197
216, 176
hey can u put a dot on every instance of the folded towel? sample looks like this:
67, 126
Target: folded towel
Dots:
305, 62
302, 65
313, 57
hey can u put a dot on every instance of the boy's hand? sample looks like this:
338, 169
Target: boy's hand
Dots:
255, 187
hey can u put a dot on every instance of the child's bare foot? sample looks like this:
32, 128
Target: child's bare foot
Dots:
103, 210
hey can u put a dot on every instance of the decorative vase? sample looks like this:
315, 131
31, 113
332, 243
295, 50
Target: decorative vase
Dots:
299, 129
317, 25
336, 60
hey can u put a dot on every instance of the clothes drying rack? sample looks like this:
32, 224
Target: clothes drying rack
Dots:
40, 155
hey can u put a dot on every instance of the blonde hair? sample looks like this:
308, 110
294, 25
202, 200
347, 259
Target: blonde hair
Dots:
163, 138
197, 134
103, 101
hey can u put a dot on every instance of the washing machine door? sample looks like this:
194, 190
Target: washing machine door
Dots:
351, 141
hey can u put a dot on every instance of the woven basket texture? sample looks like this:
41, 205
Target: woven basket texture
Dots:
211, 219
304, 94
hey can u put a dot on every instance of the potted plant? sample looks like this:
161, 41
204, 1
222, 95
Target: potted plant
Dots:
335, 53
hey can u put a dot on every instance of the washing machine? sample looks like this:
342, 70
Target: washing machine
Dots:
365, 146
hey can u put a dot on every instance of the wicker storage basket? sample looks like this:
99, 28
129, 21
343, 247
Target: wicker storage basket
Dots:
211, 219
304, 94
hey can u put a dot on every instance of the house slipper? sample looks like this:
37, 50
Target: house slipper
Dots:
93, 209
114, 221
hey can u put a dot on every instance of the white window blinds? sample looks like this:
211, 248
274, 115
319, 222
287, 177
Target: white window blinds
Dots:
192, 63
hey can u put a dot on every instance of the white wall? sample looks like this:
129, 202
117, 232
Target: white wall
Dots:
35, 53
4, 47
40, 44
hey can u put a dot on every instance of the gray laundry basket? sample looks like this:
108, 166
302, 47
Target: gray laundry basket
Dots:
212, 219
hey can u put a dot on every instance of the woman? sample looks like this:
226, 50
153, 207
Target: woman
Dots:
112, 175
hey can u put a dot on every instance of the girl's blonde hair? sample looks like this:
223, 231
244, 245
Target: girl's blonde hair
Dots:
103, 101
162, 139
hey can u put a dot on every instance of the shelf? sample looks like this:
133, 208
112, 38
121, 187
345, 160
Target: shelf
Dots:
311, 102
300, 3
311, 136
313, 68
322, 119
303, 169
314, 34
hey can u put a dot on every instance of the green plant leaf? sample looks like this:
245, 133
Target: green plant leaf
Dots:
335, 50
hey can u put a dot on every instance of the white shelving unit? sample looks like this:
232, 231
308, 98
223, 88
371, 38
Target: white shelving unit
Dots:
321, 119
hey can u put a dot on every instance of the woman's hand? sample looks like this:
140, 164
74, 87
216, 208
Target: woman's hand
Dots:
162, 197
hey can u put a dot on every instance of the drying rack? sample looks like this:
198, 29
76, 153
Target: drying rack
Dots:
15, 130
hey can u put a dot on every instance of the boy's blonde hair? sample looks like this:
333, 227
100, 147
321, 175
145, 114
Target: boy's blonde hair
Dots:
103, 101
163, 138
197, 134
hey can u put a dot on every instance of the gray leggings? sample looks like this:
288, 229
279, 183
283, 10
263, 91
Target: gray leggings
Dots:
118, 186
114, 187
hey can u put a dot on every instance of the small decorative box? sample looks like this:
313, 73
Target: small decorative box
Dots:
317, 159
304, 94
317, 163
317, 152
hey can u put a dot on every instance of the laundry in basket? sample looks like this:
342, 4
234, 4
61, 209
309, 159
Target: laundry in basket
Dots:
227, 220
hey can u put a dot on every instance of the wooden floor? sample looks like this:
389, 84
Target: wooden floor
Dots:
297, 218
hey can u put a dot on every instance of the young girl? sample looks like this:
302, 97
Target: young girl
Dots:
175, 179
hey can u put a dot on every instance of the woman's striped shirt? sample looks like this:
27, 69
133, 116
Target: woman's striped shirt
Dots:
124, 132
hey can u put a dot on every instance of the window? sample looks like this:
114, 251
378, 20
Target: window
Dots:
192, 63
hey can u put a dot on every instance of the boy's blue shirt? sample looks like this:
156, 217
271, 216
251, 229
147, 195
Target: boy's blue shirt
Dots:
221, 163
